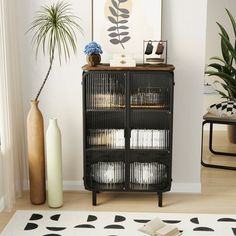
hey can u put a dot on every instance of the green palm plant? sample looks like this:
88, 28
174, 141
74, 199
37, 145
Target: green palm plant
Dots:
224, 67
54, 30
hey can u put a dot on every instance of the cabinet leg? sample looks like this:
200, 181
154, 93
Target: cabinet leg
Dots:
160, 196
94, 198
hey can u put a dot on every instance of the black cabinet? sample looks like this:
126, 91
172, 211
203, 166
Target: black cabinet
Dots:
127, 128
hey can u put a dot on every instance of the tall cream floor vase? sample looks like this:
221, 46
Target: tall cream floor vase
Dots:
54, 164
35, 137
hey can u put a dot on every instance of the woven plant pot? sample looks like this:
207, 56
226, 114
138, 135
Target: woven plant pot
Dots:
93, 59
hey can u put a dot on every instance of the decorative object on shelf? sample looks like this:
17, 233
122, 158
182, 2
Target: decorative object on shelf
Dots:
54, 30
122, 60
116, 25
54, 164
159, 56
35, 138
93, 51
224, 67
149, 48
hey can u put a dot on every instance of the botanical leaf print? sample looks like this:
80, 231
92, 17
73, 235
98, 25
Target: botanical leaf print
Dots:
119, 17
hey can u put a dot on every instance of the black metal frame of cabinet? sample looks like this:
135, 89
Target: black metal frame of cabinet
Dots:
125, 159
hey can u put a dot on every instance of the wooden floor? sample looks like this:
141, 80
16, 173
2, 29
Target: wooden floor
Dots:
218, 194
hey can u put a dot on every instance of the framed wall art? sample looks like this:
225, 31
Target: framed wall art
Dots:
120, 26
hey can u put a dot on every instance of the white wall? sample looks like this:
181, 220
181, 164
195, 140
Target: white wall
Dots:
184, 28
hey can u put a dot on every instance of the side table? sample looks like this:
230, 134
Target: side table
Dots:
211, 119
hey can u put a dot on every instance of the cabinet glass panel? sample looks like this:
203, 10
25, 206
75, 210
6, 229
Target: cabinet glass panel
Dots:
105, 91
150, 91
105, 110
105, 170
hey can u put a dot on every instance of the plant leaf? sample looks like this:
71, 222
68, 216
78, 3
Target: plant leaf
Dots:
112, 28
115, 4
113, 12
124, 16
113, 35
232, 21
125, 39
122, 22
114, 41
112, 20
122, 1
123, 10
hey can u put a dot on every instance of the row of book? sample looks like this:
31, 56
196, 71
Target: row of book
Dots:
148, 138
109, 138
140, 173
140, 138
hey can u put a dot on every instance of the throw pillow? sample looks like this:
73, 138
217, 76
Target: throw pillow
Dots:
223, 109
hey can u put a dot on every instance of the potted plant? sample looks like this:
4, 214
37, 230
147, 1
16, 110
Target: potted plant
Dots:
54, 32
224, 68
93, 51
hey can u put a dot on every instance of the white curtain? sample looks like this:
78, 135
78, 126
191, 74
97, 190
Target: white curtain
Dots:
11, 109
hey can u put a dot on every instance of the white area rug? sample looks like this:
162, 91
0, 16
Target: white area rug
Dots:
70, 223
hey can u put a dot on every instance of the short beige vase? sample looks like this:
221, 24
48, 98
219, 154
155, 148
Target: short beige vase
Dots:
36, 157
93, 59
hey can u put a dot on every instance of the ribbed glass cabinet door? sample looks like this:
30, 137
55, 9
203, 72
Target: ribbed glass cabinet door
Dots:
105, 130
150, 110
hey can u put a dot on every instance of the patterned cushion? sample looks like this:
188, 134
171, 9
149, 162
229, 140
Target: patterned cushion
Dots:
223, 109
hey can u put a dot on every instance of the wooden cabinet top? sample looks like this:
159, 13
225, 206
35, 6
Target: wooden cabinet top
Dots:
139, 67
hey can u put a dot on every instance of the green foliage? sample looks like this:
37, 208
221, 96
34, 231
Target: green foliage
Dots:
54, 30
224, 67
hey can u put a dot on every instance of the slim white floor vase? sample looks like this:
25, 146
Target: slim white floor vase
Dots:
54, 164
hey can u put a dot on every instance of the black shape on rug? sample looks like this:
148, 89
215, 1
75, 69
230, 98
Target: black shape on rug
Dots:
114, 227
55, 217
171, 221
56, 228
234, 231
31, 226
36, 216
52, 235
226, 220
195, 220
119, 218
203, 229
141, 221
85, 226
91, 218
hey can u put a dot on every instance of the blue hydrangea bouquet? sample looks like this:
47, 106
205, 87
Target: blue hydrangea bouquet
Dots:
92, 48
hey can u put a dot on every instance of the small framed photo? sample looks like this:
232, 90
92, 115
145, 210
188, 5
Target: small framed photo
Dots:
120, 26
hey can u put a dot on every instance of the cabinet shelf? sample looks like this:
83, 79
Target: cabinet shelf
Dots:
128, 116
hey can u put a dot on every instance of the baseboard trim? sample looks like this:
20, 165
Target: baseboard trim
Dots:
176, 187
1, 204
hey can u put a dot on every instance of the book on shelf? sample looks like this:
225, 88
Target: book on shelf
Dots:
157, 227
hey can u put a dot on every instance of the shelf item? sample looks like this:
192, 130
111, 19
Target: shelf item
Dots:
110, 138
108, 172
147, 173
150, 139
127, 121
